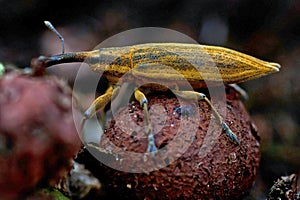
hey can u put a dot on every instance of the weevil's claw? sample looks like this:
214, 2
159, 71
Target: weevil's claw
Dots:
230, 134
151, 145
233, 137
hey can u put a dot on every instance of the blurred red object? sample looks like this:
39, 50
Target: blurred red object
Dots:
38, 137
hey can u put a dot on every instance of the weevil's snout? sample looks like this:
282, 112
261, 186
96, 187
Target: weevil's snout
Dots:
49, 61
64, 58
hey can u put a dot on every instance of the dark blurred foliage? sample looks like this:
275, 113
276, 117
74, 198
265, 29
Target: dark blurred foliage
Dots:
262, 28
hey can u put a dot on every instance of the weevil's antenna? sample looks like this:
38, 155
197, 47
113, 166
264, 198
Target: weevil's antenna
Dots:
51, 27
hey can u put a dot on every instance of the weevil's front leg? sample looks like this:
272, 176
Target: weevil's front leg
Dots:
139, 96
202, 97
98, 104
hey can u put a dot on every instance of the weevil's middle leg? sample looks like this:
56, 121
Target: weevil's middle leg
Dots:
202, 97
139, 96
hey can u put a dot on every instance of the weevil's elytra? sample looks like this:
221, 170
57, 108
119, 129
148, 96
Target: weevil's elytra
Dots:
171, 63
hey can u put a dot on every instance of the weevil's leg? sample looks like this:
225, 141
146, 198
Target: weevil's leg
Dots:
139, 96
241, 91
97, 105
202, 97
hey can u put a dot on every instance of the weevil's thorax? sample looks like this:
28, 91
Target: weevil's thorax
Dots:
113, 63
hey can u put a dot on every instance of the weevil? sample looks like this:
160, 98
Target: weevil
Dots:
144, 63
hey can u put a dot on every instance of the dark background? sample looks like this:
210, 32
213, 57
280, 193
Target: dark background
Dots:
266, 29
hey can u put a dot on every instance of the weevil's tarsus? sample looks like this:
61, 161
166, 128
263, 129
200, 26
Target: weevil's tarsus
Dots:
202, 97
140, 97
151, 145
232, 137
53, 29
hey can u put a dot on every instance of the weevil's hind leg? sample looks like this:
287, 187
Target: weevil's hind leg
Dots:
241, 91
139, 96
202, 97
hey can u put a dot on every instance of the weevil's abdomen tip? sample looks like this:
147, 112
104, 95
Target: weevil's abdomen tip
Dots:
270, 68
275, 66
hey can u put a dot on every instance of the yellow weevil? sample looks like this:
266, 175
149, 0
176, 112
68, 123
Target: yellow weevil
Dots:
143, 63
